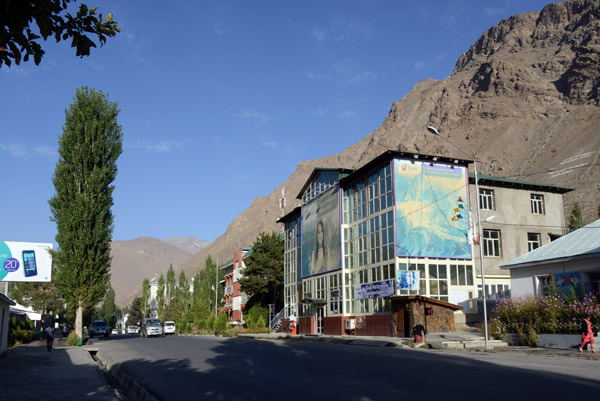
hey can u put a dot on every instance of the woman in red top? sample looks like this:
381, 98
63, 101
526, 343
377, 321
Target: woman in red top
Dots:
587, 335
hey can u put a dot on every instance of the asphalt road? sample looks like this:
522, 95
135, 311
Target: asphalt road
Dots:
209, 368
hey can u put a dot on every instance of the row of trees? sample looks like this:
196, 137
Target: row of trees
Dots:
192, 305
174, 300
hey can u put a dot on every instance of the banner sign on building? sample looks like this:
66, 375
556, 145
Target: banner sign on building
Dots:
432, 210
408, 279
568, 285
321, 249
374, 290
25, 261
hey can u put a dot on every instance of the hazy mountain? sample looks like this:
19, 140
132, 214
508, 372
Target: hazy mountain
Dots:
188, 244
140, 258
524, 100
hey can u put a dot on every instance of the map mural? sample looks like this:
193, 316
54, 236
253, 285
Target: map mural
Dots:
432, 210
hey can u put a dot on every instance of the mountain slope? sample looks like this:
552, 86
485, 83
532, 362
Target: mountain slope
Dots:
140, 258
523, 100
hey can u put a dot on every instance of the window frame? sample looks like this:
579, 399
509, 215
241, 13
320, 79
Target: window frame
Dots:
492, 244
537, 204
487, 200
532, 242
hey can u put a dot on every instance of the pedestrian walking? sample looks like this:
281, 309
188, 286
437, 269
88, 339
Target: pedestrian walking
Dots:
420, 333
587, 334
49, 333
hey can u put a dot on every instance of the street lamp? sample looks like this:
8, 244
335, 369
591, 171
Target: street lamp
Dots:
434, 131
216, 277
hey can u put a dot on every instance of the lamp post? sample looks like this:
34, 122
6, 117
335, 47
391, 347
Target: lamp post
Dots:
434, 131
216, 277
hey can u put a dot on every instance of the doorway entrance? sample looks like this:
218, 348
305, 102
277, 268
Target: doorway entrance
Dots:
320, 318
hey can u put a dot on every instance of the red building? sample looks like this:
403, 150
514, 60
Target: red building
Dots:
235, 299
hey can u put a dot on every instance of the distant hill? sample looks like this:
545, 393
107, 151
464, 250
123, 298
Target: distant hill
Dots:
523, 99
140, 258
187, 243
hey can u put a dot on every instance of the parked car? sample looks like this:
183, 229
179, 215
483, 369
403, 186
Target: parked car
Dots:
169, 327
151, 327
114, 331
99, 328
133, 330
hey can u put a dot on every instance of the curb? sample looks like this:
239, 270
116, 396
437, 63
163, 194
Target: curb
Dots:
133, 389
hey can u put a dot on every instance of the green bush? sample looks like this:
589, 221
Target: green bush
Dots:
257, 317
72, 339
220, 325
20, 331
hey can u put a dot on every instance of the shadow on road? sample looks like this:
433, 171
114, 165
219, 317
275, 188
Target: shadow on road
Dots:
245, 369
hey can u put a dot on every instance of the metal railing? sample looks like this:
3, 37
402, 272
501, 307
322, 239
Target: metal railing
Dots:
276, 321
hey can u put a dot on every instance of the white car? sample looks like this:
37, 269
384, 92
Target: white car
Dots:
151, 327
133, 330
114, 331
169, 327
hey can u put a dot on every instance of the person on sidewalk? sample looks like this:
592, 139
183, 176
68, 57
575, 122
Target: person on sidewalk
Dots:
587, 334
49, 333
420, 333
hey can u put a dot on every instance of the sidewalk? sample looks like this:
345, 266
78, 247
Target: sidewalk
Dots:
30, 372
464, 341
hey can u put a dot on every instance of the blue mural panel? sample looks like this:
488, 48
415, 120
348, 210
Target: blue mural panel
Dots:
432, 210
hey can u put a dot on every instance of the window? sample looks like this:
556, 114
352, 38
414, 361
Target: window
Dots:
321, 183
461, 274
491, 243
438, 282
495, 291
537, 204
486, 199
335, 294
533, 241
544, 285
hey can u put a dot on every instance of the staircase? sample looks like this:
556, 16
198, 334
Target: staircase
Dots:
276, 322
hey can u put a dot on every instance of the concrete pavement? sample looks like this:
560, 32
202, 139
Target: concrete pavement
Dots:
30, 372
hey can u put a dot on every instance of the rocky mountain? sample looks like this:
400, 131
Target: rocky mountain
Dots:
524, 100
140, 258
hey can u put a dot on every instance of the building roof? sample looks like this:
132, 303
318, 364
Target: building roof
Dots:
509, 182
411, 298
343, 173
295, 213
577, 245
390, 154
6, 299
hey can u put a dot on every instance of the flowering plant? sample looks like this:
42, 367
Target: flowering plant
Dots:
551, 314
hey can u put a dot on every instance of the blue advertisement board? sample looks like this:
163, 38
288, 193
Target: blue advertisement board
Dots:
25, 261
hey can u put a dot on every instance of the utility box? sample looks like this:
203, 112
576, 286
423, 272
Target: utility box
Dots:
350, 324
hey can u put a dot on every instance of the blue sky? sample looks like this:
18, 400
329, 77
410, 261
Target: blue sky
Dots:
221, 99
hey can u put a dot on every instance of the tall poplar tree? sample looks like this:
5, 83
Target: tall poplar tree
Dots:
108, 309
160, 297
88, 150
146, 298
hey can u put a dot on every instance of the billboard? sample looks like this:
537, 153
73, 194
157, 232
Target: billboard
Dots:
374, 290
432, 211
25, 261
321, 249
